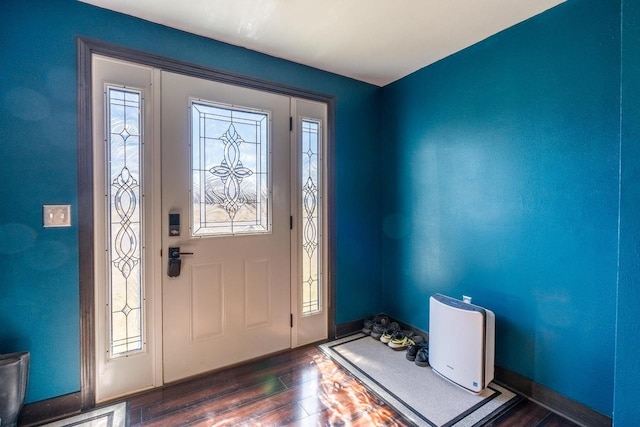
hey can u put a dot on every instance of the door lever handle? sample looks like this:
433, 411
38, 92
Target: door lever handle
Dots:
174, 252
175, 262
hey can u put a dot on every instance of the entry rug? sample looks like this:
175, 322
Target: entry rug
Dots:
416, 392
109, 416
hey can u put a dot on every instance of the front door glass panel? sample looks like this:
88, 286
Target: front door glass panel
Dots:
230, 174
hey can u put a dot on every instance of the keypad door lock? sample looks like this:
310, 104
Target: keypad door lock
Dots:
175, 261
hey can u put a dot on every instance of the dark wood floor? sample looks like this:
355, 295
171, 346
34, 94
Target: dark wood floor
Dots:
301, 387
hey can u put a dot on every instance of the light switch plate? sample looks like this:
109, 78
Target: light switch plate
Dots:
56, 215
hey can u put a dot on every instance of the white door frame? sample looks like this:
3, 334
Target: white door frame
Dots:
86, 194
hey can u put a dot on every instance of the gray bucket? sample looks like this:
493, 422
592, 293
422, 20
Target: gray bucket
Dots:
14, 372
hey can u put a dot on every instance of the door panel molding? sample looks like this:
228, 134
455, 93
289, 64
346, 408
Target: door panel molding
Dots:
207, 301
86, 47
257, 293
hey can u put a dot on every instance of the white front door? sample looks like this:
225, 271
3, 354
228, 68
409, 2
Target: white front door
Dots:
225, 175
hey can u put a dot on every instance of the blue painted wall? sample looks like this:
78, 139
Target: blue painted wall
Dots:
627, 373
501, 182
39, 275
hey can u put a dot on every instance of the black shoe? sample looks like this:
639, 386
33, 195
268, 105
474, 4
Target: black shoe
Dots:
377, 330
422, 357
366, 327
413, 349
380, 324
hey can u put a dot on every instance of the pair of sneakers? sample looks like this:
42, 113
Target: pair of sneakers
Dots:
392, 335
419, 353
401, 340
388, 332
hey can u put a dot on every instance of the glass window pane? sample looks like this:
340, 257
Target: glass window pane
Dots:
125, 269
311, 301
230, 182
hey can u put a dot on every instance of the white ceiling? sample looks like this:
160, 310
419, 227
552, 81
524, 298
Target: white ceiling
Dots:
375, 41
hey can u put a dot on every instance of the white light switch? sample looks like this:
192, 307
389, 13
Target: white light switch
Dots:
56, 215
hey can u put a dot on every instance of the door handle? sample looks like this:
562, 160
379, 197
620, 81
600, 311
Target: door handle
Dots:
174, 252
175, 261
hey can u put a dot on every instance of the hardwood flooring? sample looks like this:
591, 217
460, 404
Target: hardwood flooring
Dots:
300, 387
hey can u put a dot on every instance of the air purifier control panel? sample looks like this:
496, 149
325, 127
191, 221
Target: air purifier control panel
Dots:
452, 302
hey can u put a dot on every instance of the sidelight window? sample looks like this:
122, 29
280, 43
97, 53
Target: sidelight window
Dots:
311, 225
124, 124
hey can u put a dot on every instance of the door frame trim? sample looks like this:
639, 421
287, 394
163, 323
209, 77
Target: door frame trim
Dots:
85, 49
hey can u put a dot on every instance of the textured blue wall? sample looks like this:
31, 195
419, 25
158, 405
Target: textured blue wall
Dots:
39, 276
627, 373
501, 182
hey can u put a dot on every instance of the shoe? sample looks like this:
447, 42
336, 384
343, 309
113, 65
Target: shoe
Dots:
401, 340
417, 339
413, 349
377, 331
388, 333
381, 319
366, 327
422, 357
380, 323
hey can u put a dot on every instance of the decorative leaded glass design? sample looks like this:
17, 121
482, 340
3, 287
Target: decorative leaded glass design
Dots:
230, 186
125, 216
310, 217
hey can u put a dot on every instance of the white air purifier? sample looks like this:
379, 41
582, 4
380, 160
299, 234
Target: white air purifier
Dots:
461, 342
